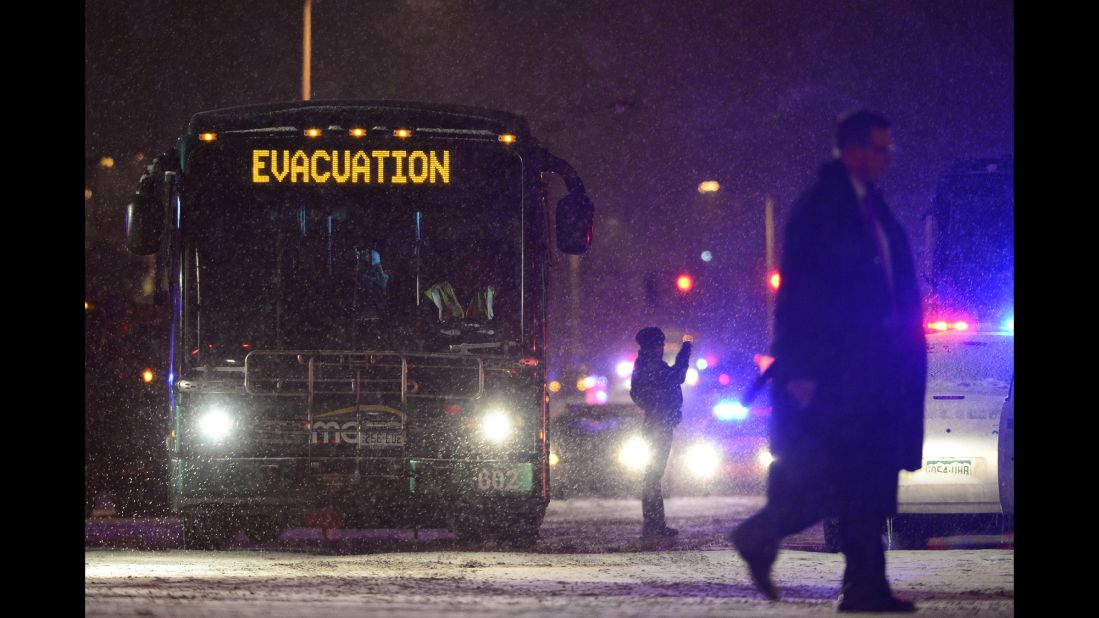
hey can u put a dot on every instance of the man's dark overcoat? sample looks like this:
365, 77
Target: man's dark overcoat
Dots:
838, 323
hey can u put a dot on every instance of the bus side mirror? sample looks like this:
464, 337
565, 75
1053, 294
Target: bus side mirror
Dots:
144, 221
575, 223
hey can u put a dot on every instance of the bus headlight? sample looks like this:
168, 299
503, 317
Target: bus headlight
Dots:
215, 424
634, 454
496, 426
702, 460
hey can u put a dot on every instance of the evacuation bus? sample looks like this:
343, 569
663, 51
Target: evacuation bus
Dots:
358, 301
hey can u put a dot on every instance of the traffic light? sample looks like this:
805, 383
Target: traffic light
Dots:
684, 283
670, 290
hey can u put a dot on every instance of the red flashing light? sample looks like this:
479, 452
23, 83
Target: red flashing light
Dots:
245, 345
724, 379
945, 325
684, 283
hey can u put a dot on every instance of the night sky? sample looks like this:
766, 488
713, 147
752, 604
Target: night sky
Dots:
645, 99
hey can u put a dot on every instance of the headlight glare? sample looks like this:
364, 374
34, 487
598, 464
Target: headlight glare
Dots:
634, 454
765, 458
703, 460
496, 426
215, 424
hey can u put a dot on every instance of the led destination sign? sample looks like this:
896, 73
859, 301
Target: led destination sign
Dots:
396, 167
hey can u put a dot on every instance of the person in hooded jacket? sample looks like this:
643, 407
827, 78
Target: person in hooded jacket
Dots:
655, 388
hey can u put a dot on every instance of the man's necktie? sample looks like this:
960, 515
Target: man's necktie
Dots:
876, 233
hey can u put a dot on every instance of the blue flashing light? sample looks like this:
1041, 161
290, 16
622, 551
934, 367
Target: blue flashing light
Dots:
729, 410
1009, 324
701, 364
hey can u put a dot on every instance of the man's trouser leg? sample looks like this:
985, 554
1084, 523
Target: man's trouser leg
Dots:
861, 544
788, 509
775, 521
652, 497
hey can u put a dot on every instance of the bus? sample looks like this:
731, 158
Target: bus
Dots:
358, 297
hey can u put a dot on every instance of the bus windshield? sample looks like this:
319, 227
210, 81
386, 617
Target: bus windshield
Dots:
381, 267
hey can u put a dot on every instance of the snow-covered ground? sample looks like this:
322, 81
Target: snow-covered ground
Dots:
588, 563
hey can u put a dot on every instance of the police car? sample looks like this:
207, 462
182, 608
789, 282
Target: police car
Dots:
966, 481
602, 450
598, 450
725, 454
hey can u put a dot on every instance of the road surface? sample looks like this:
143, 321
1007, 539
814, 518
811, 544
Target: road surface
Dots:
587, 563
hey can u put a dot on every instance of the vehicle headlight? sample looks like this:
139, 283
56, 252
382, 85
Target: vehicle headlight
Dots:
215, 424
496, 426
553, 458
634, 454
702, 460
765, 458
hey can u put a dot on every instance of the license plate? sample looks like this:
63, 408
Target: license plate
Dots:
381, 439
505, 478
954, 468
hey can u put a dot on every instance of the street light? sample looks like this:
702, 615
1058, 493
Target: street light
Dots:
307, 49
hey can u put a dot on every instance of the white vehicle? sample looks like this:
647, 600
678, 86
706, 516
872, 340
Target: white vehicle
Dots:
969, 376
967, 478
1007, 455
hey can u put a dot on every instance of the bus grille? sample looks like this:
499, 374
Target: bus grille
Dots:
364, 375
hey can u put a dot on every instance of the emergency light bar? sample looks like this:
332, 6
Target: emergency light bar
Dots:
943, 325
